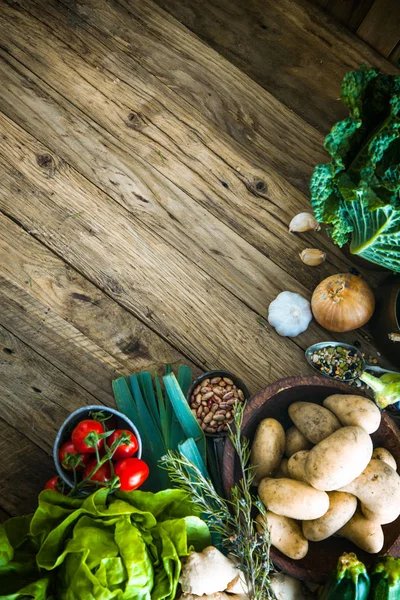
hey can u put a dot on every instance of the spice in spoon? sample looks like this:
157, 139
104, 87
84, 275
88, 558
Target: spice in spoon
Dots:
338, 362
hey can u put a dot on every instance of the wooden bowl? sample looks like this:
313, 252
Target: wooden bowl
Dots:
273, 401
386, 318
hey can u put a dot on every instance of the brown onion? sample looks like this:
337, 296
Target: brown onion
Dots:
342, 302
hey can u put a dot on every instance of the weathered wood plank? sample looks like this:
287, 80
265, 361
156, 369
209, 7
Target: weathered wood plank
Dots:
213, 91
292, 48
262, 221
349, 12
69, 321
36, 397
154, 266
322, 3
381, 26
170, 293
216, 183
23, 471
395, 56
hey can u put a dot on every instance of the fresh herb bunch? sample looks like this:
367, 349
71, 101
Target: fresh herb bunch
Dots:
232, 521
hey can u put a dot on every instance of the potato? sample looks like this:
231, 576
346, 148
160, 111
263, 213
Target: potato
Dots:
354, 410
339, 459
293, 499
267, 449
314, 421
286, 535
282, 470
296, 465
384, 517
342, 507
383, 454
365, 534
295, 441
378, 488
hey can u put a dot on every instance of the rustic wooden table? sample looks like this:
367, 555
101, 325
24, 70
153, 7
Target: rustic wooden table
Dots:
147, 182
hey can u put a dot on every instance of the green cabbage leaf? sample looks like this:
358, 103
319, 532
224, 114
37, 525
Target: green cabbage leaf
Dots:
126, 545
358, 193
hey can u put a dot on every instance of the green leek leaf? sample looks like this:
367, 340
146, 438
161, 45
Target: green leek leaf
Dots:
164, 423
154, 442
185, 416
190, 451
125, 402
146, 387
184, 378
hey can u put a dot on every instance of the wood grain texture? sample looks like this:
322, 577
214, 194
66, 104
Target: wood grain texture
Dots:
23, 473
137, 263
395, 55
257, 204
349, 12
36, 396
67, 184
157, 103
172, 63
381, 26
69, 321
292, 48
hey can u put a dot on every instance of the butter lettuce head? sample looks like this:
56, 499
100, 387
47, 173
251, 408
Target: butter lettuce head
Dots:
127, 545
358, 192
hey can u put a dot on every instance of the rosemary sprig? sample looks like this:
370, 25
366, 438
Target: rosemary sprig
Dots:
231, 520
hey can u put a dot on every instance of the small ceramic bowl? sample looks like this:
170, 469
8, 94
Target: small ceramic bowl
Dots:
209, 375
120, 421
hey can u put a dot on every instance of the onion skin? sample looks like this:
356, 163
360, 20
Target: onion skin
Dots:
342, 302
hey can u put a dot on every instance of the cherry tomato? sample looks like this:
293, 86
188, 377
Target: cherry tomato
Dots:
103, 473
53, 484
69, 448
80, 433
124, 450
132, 472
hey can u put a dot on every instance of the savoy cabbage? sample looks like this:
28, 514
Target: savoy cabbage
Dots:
358, 192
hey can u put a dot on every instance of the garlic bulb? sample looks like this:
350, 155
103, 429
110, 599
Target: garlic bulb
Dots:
303, 222
290, 314
312, 256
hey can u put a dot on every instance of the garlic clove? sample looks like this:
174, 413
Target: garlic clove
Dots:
303, 222
312, 256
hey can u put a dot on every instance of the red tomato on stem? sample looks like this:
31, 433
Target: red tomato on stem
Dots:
103, 473
124, 450
80, 433
132, 472
69, 448
53, 484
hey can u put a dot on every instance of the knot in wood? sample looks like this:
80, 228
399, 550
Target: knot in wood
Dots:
134, 120
45, 161
258, 187
261, 186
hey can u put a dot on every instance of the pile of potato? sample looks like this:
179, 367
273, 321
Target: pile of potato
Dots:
322, 476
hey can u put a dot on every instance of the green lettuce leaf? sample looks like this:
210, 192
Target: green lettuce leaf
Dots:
122, 546
358, 193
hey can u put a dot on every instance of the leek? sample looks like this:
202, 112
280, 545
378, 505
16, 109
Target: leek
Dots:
386, 388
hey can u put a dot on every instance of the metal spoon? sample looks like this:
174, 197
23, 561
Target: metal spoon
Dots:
315, 347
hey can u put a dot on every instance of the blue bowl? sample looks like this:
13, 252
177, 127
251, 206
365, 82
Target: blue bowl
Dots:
64, 434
